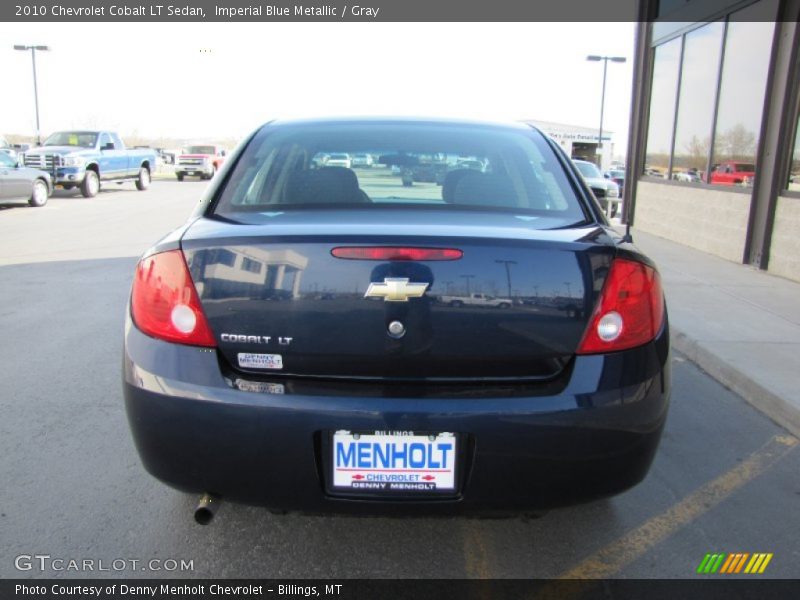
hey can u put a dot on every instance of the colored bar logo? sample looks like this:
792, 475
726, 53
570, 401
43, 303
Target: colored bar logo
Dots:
737, 562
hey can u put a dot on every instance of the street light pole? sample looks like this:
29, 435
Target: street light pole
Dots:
468, 277
605, 59
33, 50
507, 264
602, 109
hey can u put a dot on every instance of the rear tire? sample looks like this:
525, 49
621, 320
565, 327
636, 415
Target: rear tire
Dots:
456, 304
143, 181
504, 305
90, 185
180, 176
39, 193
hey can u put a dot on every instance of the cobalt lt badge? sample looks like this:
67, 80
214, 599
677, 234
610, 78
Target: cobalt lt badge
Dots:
396, 289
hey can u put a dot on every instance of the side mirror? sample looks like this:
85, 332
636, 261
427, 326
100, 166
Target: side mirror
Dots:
108, 146
222, 153
606, 175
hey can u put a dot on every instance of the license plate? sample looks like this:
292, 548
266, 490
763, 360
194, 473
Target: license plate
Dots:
394, 462
248, 360
260, 387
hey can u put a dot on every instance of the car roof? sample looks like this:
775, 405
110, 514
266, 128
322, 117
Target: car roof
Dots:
377, 120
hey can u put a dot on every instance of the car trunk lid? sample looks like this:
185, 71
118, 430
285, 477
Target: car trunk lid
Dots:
512, 306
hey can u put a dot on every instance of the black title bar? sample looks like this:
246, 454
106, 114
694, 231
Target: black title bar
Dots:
708, 588
320, 10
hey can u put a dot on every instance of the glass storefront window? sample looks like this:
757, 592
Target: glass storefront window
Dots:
741, 99
698, 90
794, 168
662, 107
725, 108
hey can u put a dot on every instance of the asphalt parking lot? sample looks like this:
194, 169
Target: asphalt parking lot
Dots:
725, 478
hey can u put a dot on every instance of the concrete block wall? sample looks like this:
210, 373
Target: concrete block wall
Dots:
784, 254
711, 220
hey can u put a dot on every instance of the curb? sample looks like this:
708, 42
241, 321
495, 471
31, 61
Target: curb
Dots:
773, 406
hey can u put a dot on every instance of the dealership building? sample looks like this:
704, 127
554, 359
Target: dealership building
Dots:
713, 155
579, 142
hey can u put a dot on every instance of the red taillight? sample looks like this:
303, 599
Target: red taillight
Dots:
396, 253
630, 310
164, 303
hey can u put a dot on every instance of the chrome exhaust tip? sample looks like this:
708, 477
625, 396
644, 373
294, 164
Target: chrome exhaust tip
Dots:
206, 508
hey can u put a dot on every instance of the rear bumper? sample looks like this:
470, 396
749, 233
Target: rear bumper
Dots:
592, 435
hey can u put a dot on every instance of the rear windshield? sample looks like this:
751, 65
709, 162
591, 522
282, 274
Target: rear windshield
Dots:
414, 166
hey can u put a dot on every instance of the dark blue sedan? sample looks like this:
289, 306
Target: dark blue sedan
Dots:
326, 339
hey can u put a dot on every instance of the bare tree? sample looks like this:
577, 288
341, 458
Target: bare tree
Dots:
697, 151
737, 143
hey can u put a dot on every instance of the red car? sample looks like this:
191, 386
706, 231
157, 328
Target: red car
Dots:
732, 172
202, 161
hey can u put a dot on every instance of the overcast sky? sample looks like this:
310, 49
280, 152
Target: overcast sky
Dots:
191, 81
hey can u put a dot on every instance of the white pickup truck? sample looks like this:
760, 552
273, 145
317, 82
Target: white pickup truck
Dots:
476, 300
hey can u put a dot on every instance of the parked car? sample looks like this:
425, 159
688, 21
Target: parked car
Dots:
731, 172
339, 160
606, 191
84, 159
202, 160
460, 165
425, 173
618, 177
363, 161
475, 165
7, 148
476, 300
21, 183
379, 399
687, 176
169, 156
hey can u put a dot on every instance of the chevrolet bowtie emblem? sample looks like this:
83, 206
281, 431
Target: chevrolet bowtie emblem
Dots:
395, 289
